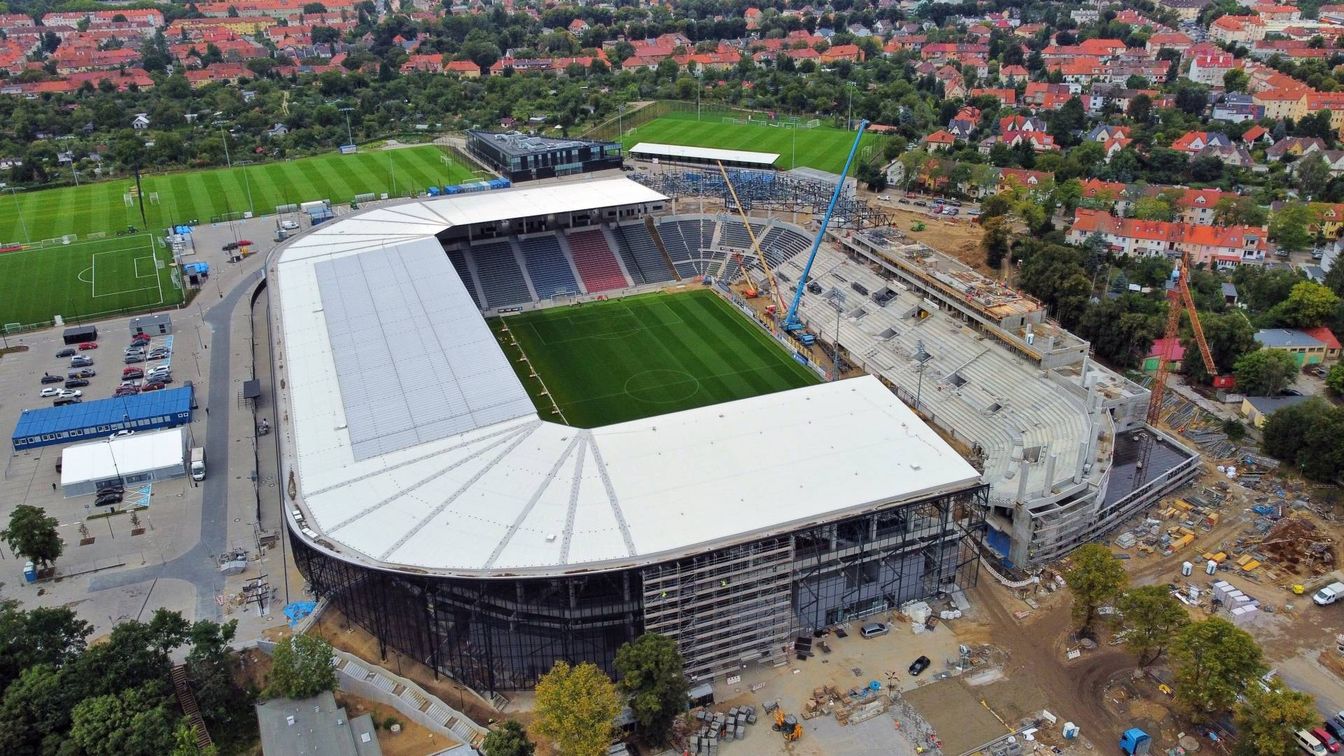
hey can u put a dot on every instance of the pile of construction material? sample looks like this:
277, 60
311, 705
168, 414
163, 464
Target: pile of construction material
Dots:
719, 727
1243, 609
1176, 524
1296, 545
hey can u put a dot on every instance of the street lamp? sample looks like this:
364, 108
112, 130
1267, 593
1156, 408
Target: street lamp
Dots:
923, 358
247, 180
19, 208
349, 137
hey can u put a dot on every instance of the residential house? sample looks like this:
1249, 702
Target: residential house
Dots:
1257, 135
1197, 205
1305, 348
1012, 74
1224, 247
1185, 10
964, 122
1327, 337
140, 122
1238, 30
1125, 236
278, 130
940, 140
1237, 107
1168, 41
1194, 142
1007, 97
1294, 147
464, 68
1045, 96
1282, 103
1111, 138
1329, 219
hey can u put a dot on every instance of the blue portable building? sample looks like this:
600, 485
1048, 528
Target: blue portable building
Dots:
165, 408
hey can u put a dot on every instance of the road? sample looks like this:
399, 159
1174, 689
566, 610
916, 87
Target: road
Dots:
198, 565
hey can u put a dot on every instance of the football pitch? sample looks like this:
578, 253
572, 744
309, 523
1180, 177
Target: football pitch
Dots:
175, 198
617, 360
823, 147
84, 279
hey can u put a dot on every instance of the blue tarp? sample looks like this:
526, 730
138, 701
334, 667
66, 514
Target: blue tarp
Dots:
298, 610
58, 425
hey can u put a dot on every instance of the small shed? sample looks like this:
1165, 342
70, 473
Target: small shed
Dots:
80, 334
153, 324
124, 460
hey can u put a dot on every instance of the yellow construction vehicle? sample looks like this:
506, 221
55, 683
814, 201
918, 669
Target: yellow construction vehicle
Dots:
787, 725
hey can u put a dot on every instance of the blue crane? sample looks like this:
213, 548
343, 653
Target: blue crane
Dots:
791, 321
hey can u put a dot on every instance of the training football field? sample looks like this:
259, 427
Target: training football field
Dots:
823, 147
616, 360
205, 196
84, 279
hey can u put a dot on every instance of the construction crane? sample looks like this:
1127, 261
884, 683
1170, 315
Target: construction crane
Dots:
791, 322
1181, 299
755, 246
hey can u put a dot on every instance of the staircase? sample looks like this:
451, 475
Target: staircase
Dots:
662, 249
187, 700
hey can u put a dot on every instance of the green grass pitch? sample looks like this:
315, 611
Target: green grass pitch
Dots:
201, 195
823, 148
86, 278
617, 360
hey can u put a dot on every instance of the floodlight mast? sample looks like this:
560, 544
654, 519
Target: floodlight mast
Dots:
791, 321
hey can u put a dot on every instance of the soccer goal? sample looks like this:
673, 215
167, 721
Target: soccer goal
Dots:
153, 198
128, 199
812, 124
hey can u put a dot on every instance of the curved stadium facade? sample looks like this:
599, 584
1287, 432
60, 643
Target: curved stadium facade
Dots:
429, 501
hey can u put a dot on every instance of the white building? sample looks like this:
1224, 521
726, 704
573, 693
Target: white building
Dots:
128, 460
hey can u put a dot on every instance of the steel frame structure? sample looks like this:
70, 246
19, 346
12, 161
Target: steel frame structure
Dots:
765, 190
725, 608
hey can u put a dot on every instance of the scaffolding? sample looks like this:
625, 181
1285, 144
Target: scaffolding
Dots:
725, 608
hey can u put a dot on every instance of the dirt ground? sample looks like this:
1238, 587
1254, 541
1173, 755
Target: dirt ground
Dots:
954, 708
350, 638
954, 236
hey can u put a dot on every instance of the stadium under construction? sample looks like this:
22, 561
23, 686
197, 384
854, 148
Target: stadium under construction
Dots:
440, 510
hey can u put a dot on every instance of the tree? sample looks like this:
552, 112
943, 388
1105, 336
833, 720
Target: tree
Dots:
1213, 661
1229, 337
1308, 305
1140, 108
1312, 174
575, 708
41, 635
509, 740
1095, 578
1151, 619
1239, 211
1289, 226
651, 672
1266, 720
1153, 208
1265, 372
134, 722
1235, 80
997, 240
1334, 380
32, 534
302, 668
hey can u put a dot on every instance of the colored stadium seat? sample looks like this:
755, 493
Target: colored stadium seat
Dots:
597, 266
501, 278
547, 266
642, 258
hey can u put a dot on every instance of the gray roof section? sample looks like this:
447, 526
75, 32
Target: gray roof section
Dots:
1286, 338
1229, 289
1266, 405
314, 727
415, 361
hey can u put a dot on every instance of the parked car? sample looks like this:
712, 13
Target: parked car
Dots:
61, 401
874, 629
76, 383
131, 359
919, 665
140, 339
122, 433
49, 378
87, 345
151, 386
82, 373
81, 361
1327, 740
289, 225
67, 393
1335, 728
126, 391
108, 498
159, 369
49, 392
132, 372
67, 352
134, 350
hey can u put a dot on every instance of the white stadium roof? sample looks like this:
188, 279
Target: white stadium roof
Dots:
681, 152
414, 445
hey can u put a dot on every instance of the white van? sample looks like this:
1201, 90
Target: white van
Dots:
1308, 743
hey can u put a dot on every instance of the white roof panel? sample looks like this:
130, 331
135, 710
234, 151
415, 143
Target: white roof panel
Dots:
415, 445
678, 151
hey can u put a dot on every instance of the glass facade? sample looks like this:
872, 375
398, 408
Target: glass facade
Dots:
724, 608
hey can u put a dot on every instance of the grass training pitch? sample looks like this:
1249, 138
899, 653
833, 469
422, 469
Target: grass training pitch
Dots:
84, 279
823, 147
174, 198
617, 360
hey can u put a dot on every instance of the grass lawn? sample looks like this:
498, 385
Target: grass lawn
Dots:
86, 278
608, 362
202, 195
823, 148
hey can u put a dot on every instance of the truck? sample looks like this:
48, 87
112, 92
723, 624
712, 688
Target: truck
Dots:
198, 463
1329, 594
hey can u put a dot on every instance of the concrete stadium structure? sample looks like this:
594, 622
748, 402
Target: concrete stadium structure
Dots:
428, 500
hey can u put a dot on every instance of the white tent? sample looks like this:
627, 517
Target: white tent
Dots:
138, 458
